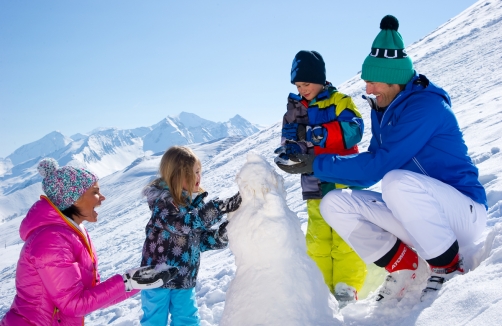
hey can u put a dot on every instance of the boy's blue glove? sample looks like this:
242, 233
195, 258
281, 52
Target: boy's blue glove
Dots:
317, 135
290, 148
289, 131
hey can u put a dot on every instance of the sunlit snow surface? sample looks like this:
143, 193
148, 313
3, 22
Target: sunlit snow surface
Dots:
463, 56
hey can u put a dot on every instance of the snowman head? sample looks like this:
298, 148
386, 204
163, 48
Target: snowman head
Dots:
258, 178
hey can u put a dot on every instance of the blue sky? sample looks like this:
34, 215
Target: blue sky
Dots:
74, 65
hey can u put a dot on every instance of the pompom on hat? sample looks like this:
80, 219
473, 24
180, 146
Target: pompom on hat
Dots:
308, 67
388, 61
63, 186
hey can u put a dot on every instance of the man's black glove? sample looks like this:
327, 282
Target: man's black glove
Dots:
222, 231
298, 163
230, 204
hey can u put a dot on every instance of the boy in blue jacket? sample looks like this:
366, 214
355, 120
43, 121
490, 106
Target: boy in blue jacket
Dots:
319, 119
431, 199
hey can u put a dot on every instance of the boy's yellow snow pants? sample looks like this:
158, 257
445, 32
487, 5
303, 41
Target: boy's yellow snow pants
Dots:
337, 261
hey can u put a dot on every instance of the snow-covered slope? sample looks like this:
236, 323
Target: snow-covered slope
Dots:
206, 151
463, 56
5, 165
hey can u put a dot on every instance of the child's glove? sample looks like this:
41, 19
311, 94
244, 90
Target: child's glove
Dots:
200, 197
148, 277
297, 163
230, 204
222, 231
290, 148
289, 131
317, 135
294, 131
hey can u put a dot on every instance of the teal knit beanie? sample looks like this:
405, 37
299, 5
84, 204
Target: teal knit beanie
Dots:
388, 61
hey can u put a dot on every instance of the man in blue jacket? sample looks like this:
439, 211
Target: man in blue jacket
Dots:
431, 199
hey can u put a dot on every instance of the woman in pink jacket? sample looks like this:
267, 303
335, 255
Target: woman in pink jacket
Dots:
57, 281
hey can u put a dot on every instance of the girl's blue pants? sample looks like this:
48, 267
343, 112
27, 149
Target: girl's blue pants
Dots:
157, 304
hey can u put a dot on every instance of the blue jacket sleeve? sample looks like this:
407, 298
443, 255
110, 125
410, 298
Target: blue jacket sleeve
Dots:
410, 130
352, 128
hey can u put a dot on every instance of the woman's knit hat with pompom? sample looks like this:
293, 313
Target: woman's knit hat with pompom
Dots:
63, 186
388, 61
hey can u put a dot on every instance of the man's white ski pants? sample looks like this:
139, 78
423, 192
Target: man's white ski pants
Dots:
423, 212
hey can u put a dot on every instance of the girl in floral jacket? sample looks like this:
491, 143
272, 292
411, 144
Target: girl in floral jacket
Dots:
178, 231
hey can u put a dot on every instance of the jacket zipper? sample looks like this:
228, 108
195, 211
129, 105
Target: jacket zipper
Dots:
381, 141
420, 166
383, 116
56, 313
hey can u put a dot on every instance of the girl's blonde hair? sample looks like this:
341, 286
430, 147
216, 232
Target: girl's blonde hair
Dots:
177, 165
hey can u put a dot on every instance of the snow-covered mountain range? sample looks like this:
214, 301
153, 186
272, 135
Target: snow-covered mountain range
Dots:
188, 128
462, 55
107, 150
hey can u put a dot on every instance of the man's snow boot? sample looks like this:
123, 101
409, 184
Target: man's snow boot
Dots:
441, 274
345, 294
406, 269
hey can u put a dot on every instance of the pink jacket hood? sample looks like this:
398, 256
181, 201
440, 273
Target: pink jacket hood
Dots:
42, 213
56, 277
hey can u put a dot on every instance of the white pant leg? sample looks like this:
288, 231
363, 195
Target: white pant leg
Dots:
363, 220
433, 213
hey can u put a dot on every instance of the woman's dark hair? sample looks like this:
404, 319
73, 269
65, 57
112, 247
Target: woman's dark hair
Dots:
72, 211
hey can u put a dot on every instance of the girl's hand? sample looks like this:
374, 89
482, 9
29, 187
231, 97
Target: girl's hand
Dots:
222, 231
231, 204
200, 197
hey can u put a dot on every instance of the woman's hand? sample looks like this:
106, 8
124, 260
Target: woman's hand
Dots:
149, 277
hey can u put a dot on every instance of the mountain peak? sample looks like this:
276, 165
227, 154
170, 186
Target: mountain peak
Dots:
49, 143
189, 128
190, 119
238, 117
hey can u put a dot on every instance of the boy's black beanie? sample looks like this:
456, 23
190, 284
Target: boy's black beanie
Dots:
308, 67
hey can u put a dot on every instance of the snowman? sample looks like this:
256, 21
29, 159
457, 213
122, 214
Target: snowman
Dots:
275, 282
